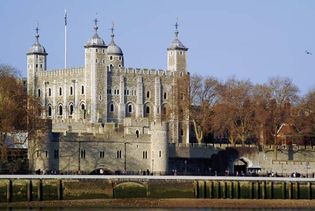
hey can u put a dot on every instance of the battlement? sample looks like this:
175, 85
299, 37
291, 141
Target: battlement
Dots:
61, 72
145, 71
139, 122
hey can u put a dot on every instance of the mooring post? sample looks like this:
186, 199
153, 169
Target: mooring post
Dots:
309, 185
29, 190
59, 189
9, 191
271, 190
40, 190
284, 190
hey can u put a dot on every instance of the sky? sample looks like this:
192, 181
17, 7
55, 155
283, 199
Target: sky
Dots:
246, 39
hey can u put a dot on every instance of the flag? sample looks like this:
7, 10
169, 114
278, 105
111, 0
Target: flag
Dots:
66, 17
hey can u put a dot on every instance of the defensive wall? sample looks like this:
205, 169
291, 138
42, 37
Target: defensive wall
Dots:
66, 187
283, 160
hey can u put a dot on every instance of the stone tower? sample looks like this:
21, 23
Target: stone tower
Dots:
177, 63
36, 61
95, 77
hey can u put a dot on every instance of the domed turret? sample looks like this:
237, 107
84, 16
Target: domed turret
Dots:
176, 54
96, 40
37, 48
176, 43
112, 47
114, 53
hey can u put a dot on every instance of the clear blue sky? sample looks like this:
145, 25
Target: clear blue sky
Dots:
249, 39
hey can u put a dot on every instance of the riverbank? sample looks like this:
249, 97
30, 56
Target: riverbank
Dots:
166, 203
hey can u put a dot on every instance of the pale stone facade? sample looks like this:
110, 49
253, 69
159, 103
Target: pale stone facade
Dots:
109, 116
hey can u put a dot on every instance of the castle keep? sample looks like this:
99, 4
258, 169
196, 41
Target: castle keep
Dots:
105, 115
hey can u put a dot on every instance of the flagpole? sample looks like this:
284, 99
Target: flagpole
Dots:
66, 38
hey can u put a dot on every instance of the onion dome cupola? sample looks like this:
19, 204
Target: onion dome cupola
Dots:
176, 43
112, 48
37, 48
96, 41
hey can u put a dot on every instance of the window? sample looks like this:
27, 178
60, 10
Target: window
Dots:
111, 58
137, 133
41, 66
100, 97
82, 106
49, 111
118, 91
71, 90
165, 96
111, 107
82, 89
60, 91
147, 109
109, 91
96, 50
181, 132
36, 66
119, 65
160, 153
71, 109
38, 153
49, 92
38, 92
111, 67
145, 155
119, 154
119, 58
95, 60
60, 110
130, 108
46, 154
102, 154
82, 154
56, 153
148, 94
103, 51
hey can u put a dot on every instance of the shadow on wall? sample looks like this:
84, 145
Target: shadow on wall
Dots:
222, 162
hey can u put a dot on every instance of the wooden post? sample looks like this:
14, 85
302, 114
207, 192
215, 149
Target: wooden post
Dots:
284, 190
297, 195
210, 188
9, 191
40, 190
271, 190
59, 189
309, 185
238, 189
263, 190
29, 190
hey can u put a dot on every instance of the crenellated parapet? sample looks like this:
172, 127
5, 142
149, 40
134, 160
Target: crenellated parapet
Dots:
61, 72
145, 71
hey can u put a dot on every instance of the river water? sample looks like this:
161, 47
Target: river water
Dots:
157, 209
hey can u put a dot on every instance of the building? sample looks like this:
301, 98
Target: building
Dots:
105, 115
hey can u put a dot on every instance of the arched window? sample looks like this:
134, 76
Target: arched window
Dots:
82, 89
137, 133
49, 111
82, 106
130, 108
148, 94
71, 109
60, 91
71, 90
38, 93
111, 107
147, 109
60, 110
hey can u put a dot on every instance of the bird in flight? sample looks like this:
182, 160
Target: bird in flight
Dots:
308, 52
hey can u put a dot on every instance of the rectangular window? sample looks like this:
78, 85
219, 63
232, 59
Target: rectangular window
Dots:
118, 91
82, 153
82, 89
46, 154
119, 154
49, 92
56, 153
38, 92
160, 153
102, 154
145, 155
127, 92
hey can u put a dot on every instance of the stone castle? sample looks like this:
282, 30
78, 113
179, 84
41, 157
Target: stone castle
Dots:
107, 116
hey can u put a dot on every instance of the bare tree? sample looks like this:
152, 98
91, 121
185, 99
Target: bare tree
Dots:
18, 113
